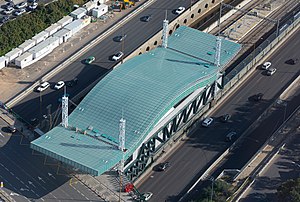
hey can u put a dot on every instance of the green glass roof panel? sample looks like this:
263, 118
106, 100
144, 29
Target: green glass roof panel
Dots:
141, 91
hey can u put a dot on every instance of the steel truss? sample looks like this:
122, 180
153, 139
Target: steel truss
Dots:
150, 148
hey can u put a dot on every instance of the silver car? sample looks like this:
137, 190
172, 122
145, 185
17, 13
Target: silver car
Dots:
271, 71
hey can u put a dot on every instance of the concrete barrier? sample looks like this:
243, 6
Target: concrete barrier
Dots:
93, 43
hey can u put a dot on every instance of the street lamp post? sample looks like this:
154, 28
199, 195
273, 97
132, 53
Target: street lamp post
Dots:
212, 179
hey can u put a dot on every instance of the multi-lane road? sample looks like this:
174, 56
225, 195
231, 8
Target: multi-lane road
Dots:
137, 33
26, 178
191, 159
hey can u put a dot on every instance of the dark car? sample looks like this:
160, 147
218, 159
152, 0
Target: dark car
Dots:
4, 19
292, 61
225, 118
9, 5
72, 83
120, 38
146, 18
12, 128
163, 166
258, 97
34, 122
231, 136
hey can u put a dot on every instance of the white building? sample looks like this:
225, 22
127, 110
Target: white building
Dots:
40, 37
65, 20
78, 13
90, 5
101, 10
103, 1
24, 60
27, 45
63, 35
74, 26
53, 28
13, 54
3, 62
44, 48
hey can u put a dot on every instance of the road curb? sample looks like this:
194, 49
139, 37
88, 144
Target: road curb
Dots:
93, 43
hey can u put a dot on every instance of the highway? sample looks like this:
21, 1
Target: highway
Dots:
283, 167
26, 178
191, 159
137, 33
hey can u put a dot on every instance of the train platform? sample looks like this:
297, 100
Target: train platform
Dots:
240, 28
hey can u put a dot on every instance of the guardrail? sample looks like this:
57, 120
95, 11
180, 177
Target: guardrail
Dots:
240, 76
93, 43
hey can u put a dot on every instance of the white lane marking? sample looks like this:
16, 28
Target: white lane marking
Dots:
2, 134
41, 179
12, 173
81, 193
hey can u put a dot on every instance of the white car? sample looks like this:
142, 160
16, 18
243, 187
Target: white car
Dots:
271, 71
33, 6
21, 5
59, 85
43, 86
266, 65
207, 121
8, 11
180, 10
146, 196
117, 56
20, 12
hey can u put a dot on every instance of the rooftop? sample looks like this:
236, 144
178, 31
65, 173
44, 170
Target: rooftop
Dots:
141, 91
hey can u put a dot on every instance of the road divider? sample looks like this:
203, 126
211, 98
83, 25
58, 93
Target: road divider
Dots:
75, 56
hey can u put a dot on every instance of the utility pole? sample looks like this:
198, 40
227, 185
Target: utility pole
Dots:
212, 179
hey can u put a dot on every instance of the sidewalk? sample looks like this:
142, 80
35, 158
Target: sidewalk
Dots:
14, 80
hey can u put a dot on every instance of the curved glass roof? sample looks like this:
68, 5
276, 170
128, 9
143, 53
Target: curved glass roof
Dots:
141, 91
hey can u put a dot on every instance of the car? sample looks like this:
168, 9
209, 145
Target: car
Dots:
225, 118
258, 97
43, 86
271, 71
89, 60
163, 166
33, 6
266, 65
121, 38
292, 61
231, 136
72, 83
9, 5
117, 56
21, 5
147, 196
8, 11
207, 122
4, 19
59, 85
12, 128
20, 12
180, 10
34, 122
146, 18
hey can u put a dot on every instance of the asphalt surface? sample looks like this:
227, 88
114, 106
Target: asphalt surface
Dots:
26, 178
285, 166
137, 33
205, 144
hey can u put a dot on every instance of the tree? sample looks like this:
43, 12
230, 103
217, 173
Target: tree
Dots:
221, 192
289, 191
